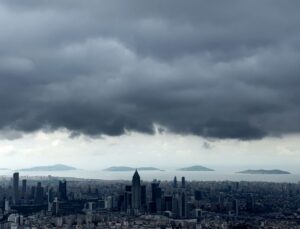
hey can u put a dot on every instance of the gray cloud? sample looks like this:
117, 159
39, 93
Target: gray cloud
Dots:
206, 145
214, 69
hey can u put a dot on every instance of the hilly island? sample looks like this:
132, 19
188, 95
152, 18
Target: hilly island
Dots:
264, 171
195, 168
57, 167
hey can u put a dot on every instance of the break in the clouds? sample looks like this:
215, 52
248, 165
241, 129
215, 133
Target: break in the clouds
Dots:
223, 69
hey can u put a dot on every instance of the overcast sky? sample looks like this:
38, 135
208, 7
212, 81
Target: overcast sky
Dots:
140, 82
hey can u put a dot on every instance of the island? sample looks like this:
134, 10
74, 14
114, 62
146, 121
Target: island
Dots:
264, 171
128, 169
195, 168
57, 167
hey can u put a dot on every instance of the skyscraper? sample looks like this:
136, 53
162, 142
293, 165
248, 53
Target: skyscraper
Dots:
156, 197
50, 198
39, 192
127, 198
24, 189
183, 182
175, 182
62, 190
168, 203
175, 205
136, 191
143, 197
16, 188
182, 207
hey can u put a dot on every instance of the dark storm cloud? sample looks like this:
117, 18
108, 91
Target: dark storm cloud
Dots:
215, 69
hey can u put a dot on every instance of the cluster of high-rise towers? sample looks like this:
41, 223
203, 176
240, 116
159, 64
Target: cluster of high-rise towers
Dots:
135, 199
20, 197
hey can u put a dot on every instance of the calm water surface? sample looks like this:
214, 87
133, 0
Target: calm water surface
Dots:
163, 175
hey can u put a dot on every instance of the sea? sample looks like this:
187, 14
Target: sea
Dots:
166, 175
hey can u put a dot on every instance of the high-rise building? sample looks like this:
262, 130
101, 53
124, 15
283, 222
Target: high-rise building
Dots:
121, 203
127, 197
158, 199
168, 203
62, 190
156, 194
24, 189
143, 197
154, 187
109, 202
175, 182
189, 210
136, 191
55, 206
32, 192
182, 205
236, 207
50, 198
175, 205
198, 214
16, 188
183, 182
6, 205
39, 194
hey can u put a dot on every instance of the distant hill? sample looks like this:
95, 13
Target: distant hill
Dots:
128, 169
57, 167
148, 169
264, 171
195, 168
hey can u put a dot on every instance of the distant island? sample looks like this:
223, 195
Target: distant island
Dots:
148, 169
195, 168
128, 169
264, 171
57, 167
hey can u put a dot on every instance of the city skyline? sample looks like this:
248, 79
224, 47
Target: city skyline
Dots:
55, 203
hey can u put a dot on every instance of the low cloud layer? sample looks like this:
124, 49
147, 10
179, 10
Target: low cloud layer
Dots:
213, 69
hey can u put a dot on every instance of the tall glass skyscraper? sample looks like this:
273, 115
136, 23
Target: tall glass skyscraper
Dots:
16, 188
136, 191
